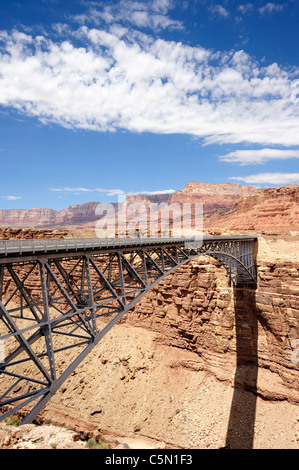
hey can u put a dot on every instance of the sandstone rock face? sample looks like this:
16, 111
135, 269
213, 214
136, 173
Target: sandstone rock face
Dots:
195, 309
27, 217
148, 199
212, 196
269, 209
76, 214
226, 207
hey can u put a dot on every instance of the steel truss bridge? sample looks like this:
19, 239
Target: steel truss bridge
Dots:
60, 297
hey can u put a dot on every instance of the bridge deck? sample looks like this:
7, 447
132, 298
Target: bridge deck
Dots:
20, 248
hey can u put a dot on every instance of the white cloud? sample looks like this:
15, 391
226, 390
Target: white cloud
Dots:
151, 14
110, 192
246, 157
153, 193
11, 198
124, 79
67, 189
269, 178
219, 10
270, 8
246, 8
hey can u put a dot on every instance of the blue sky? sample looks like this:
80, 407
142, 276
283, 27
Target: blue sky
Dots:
103, 99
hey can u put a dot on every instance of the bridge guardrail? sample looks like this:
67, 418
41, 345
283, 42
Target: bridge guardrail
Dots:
22, 246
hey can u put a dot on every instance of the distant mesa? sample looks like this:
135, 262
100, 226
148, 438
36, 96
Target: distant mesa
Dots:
211, 195
226, 206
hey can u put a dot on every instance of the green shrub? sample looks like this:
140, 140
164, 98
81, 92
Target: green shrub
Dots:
11, 421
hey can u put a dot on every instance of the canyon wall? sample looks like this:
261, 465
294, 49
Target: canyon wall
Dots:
76, 214
212, 196
273, 209
195, 309
29, 234
226, 207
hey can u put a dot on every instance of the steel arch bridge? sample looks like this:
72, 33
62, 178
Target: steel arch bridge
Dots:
59, 298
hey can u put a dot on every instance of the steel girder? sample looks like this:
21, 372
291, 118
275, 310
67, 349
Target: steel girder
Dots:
54, 308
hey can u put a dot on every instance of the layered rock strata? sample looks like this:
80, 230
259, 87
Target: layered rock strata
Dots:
272, 209
76, 214
212, 196
195, 309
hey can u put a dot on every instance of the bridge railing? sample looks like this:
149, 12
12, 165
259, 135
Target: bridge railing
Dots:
58, 244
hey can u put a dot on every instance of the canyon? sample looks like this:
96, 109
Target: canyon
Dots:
196, 363
212, 196
226, 207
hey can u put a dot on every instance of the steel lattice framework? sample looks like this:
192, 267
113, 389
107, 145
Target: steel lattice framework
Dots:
59, 298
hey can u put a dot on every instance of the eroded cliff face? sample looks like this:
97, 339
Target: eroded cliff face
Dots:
212, 196
195, 309
272, 209
76, 214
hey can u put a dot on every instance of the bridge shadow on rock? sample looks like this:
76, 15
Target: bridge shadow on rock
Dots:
240, 432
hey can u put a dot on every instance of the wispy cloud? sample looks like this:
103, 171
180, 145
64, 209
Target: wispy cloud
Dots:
110, 192
270, 8
246, 157
219, 11
11, 198
276, 179
151, 14
246, 8
266, 10
153, 193
73, 190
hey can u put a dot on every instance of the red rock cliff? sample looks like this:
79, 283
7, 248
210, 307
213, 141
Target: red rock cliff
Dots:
195, 309
76, 214
269, 209
212, 196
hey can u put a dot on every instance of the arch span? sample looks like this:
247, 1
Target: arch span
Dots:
58, 300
